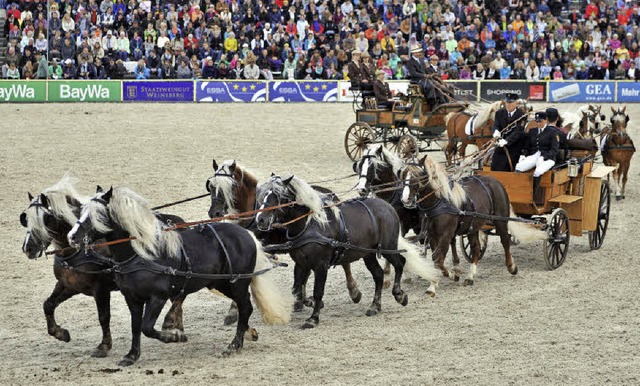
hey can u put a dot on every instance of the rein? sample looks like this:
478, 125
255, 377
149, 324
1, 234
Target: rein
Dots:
283, 225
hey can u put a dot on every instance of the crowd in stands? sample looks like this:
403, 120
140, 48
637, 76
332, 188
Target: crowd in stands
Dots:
315, 39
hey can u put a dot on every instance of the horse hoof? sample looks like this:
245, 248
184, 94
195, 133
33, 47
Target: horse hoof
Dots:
386, 284
63, 335
298, 306
456, 278
515, 271
230, 319
251, 334
308, 302
310, 323
126, 361
371, 312
468, 282
356, 299
431, 294
618, 198
99, 352
404, 301
623, 197
182, 337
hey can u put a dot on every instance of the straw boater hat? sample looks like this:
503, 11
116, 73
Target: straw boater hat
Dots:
416, 50
380, 72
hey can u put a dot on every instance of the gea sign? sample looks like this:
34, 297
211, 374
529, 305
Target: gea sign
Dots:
84, 91
598, 89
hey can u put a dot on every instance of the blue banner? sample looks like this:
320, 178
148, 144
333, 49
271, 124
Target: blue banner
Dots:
628, 92
151, 91
581, 91
303, 91
217, 91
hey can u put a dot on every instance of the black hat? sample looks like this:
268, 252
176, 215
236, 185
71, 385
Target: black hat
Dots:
540, 115
552, 114
511, 97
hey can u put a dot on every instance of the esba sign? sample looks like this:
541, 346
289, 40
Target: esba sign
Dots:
84, 91
23, 91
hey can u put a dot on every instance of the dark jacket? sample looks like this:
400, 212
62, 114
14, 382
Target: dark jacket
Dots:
546, 142
515, 136
355, 74
417, 70
382, 92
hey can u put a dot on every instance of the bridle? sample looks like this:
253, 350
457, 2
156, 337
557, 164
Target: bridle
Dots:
215, 198
23, 220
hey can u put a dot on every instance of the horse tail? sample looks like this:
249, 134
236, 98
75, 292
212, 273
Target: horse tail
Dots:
416, 264
273, 304
448, 117
525, 232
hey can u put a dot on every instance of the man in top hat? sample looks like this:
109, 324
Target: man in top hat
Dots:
382, 91
541, 151
420, 74
508, 128
555, 122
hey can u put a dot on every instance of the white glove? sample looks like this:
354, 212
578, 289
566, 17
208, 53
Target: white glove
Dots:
521, 158
502, 142
496, 134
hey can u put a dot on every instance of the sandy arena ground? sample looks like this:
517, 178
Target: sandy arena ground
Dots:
576, 325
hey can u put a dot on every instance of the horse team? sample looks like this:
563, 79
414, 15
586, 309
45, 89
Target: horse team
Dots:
116, 241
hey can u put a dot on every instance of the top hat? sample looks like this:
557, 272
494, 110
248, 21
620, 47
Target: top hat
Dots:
552, 114
510, 97
540, 115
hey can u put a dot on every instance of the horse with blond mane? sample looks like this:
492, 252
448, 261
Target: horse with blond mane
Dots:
457, 130
618, 149
462, 207
223, 257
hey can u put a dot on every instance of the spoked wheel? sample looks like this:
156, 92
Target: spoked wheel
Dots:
556, 246
465, 246
407, 146
392, 137
596, 237
359, 135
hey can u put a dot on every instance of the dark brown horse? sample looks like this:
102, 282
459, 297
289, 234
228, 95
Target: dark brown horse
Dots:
233, 191
442, 202
48, 219
618, 149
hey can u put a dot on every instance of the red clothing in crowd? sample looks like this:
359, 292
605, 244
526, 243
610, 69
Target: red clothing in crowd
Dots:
592, 9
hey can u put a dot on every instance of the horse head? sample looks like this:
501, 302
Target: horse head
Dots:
220, 186
273, 194
619, 120
599, 118
37, 219
525, 106
413, 178
587, 126
94, 222
366, 169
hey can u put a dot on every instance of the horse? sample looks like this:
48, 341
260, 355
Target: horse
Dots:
455, 208
584, 123
222, 256
617, 149
48, 219
457, 133
233, 191
319, 237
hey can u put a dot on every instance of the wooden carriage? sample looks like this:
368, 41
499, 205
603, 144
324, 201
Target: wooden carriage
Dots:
400, 127
569, 206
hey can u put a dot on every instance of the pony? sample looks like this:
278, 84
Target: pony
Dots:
585, 123
233, 191
221, 256
453, 208
618, 149
319, 237
48, 219
457, 133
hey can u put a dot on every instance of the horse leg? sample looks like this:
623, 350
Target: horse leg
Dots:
300, 277
456, 260
102, 297
136, 309
245, 309
173, 320
616, 180
352, 285
505, 238
59, 295
320, 274
398, 266
624, 172
232, 314
474, 244
151, 313
372, 265
440, 247
387, 275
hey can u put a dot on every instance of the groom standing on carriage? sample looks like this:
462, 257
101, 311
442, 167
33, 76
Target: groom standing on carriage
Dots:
508, 128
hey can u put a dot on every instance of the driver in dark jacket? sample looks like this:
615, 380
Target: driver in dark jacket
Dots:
508, 128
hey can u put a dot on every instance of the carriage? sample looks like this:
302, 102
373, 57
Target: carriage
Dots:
573, 199
401, 127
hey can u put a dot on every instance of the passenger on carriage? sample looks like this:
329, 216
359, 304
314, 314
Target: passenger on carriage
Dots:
382, 91
542, 149
357, 74
508, 127
419, 74
563, 147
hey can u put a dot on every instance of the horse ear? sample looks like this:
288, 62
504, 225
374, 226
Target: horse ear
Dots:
232, 168
287, 181
99, 189
44, 200
422, 160
273, 174
356, 168
626, 119
624, 109
30, 196
379, 151
206, 185
107, 196
215, 166
23, 219
613, 111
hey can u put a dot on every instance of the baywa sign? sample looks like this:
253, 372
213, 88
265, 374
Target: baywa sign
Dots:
85, 91
23, 91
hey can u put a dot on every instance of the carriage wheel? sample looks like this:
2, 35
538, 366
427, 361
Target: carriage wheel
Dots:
556, 246
392, 137
359, 135
465, 246
596, 237
407, 146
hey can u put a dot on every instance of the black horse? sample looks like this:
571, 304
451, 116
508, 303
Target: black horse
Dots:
144, 265
363, 228
48, 219
233, 191
441, 201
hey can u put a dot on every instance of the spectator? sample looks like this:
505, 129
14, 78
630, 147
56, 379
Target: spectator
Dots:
209, 70
479, 73
505, 71
55, 71
69, 70
123, 47
183, 71
533, 72
42, 66
85, 69
633, 73
12, 71
141, 71
557, 73
136, 46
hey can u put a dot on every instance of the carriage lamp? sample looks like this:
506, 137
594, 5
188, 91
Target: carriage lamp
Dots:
572, 169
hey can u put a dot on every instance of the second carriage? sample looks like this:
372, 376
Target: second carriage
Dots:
409, 126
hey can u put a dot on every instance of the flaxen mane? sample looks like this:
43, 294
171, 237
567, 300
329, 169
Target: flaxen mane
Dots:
439, 182
388, 158
133, 213
297, 190
59, 197
229, 187
489, 112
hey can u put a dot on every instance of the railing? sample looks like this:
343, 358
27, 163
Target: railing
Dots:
298, 91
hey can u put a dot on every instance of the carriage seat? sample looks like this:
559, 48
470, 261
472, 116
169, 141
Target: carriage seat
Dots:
365, 91
414, 89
